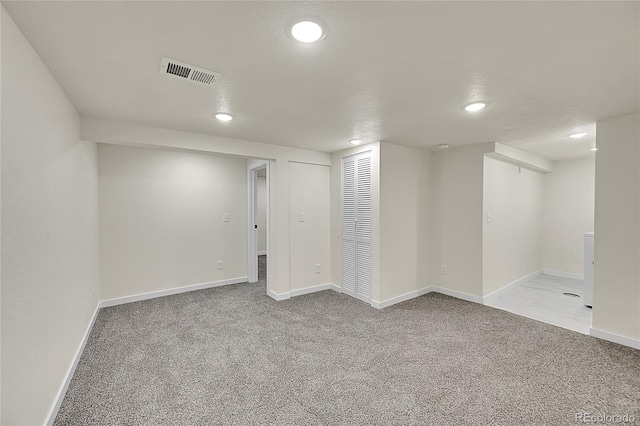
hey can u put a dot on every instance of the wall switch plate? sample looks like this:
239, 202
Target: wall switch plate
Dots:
220, 264
301, 216
488, 217
225, 217
317, 268
443, 270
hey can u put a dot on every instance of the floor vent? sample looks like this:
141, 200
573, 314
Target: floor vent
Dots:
189, 72
571, 294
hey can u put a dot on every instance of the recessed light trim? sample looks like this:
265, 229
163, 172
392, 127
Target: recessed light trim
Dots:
223, 116
307, 30
577, 135
356, 141
475, 107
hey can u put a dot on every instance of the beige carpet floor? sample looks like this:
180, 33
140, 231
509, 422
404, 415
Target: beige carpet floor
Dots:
232, 355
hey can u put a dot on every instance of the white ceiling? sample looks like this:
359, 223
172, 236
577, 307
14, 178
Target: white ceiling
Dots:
393, 71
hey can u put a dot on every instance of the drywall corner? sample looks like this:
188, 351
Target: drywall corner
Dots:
521, 158
405, 196
457, 218
616, 287
511, 223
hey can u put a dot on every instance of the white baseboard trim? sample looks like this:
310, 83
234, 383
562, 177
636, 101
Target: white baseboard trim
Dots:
262, 253
169, 292
401, 298
458, 294
563, 274
313, 289
278, 296
492, 296
301, 291
615, 338
53, 411
336, 288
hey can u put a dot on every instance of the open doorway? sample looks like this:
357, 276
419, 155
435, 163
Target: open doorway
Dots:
534, 245
261, 220
258, 221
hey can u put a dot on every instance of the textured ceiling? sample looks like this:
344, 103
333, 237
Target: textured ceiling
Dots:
393, 71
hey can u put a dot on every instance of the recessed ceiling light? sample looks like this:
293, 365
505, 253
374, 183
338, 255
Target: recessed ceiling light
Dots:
223, 116
307, 31
443, 146
356, 141
476, 106
577, 135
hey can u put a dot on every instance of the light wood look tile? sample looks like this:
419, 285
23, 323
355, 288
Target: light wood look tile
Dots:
541, 299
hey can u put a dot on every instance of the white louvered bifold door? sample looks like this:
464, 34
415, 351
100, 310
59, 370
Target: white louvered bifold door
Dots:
356, 226
363, 227
349, 226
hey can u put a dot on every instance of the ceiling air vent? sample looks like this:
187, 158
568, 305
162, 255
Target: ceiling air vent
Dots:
189, 72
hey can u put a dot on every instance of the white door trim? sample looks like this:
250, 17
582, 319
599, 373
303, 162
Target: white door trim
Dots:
252, 213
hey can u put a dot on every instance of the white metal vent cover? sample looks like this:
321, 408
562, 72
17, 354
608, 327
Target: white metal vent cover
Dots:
189, 72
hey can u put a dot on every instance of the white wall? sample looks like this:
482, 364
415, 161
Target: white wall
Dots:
262, 213
310, 240
161, 219
568, 212
457, 218
512, 240
616, 298
279, 271
404, 220
336, 208
49, 233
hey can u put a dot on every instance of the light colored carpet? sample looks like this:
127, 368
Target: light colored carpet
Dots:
262, 269
232, 355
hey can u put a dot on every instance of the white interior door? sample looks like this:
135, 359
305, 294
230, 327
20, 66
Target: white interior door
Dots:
356, 226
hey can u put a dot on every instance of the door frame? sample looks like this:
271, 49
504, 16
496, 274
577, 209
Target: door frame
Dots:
252, 215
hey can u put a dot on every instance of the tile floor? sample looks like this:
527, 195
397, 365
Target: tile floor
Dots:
541, 299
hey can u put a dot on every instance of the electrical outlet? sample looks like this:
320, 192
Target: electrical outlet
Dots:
220, 264
301, 216
443, 270
225, 217
317, 268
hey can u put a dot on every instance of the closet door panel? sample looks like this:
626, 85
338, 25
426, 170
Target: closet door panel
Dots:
357, 226
349, 226
363, 274
363, 227
349, 267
